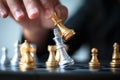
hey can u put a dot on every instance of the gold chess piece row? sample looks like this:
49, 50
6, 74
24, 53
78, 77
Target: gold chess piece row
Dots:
94, 62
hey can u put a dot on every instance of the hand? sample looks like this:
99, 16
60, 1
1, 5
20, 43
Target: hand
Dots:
31, 10
33, 15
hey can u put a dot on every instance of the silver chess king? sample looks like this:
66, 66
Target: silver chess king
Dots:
65, 59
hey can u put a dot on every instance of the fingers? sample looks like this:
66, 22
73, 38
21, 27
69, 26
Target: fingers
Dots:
3, 10
16, 9
32, 8
52, 6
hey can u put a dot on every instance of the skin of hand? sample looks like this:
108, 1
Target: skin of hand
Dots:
34, 16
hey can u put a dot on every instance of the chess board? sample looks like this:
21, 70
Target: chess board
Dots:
71, 72
40, 71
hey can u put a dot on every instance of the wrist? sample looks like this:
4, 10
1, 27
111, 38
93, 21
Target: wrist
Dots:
36, 36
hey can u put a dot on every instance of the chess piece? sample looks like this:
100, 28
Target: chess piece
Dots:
34, 54
116, 56
16, 58
66, 33
26, 59
51, 62
57, 57
65, 59
94, 63
4, 59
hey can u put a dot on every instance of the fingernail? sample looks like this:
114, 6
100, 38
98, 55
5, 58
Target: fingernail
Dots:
33, 13
3, 14
19, 15
48, 13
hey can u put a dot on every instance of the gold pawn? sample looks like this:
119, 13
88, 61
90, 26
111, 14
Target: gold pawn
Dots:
116, 56
51, 62
94, 61
65, 32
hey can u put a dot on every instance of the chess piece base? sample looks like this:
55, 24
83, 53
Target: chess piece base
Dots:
68, 35
52, 64
26, 67
68, 61
14, 63
115, 64
94, 65
94, 68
